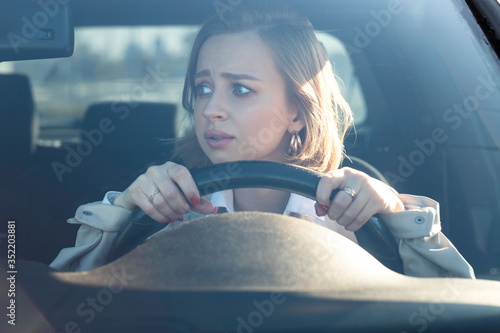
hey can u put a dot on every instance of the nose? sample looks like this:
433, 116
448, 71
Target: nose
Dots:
216, 108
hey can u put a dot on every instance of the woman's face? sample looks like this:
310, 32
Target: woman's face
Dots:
241, 111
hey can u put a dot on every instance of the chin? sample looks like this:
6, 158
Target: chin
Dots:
220, 157
223, 158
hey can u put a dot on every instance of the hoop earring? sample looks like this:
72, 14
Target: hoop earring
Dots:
295, 144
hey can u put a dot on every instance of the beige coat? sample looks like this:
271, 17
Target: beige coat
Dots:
425, 251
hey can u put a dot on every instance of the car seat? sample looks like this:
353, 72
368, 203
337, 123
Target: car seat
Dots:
16, 119
118, 142
26, 197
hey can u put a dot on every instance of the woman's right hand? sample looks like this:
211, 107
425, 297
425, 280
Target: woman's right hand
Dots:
161, 193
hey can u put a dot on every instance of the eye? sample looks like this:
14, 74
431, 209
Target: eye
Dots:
202, 90
241, 90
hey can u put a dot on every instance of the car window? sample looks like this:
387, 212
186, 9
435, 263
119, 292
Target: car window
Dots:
137, 63
109, 64
345, 74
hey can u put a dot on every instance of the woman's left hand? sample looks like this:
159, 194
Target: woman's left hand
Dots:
359, 198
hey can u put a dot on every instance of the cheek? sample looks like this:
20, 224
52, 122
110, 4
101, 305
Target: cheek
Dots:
198, 123
266, 130
198, 112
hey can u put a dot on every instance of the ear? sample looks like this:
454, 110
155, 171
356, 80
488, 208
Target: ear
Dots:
297, 123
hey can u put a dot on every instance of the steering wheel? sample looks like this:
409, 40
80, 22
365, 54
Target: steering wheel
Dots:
374, 236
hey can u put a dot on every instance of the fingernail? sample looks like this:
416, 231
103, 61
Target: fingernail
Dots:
325, 207
181, 218
317, 214
195, 201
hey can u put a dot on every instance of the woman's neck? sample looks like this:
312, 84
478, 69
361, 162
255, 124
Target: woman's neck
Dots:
259, 199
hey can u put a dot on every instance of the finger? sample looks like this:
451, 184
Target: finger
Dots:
167, 205
352, 211
147, 193
326, 185
170, 197
149, 208
185, 182
144, 193
205, 207
361, 219
183, 179
172, 201
340, 203
320, 210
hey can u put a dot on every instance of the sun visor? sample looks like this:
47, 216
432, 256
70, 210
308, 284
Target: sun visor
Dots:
35, 30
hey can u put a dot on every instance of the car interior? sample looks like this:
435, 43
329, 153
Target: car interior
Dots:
56, 163
104, 103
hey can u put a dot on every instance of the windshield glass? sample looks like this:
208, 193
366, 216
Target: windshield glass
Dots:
420, 76
120, 64
125, 64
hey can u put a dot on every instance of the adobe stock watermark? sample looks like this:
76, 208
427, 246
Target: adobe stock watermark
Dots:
222, 6
426, 314
249, 149
454, 117
255, 144
263, 309
88, 309
32, 26
221, 177
94, 137
381, 19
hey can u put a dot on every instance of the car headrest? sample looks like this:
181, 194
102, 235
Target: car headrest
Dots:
129, 131
17, 132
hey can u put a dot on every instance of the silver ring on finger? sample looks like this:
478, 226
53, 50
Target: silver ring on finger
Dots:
350, 191
152, 195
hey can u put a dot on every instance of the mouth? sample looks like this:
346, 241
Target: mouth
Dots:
217, 135
217, 139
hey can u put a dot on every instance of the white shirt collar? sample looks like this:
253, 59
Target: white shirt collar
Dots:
296, 203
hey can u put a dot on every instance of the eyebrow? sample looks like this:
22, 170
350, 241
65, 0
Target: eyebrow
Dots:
232, 76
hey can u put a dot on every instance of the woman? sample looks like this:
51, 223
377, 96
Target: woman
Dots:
259, 86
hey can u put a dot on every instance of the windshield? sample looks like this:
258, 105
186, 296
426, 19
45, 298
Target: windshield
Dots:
126, 64
420, 76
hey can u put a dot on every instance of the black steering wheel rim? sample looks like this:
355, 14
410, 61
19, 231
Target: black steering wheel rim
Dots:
374, 236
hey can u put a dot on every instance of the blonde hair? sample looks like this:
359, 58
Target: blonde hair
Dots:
309, 79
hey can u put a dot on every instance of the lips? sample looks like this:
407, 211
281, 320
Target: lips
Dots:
217, 139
